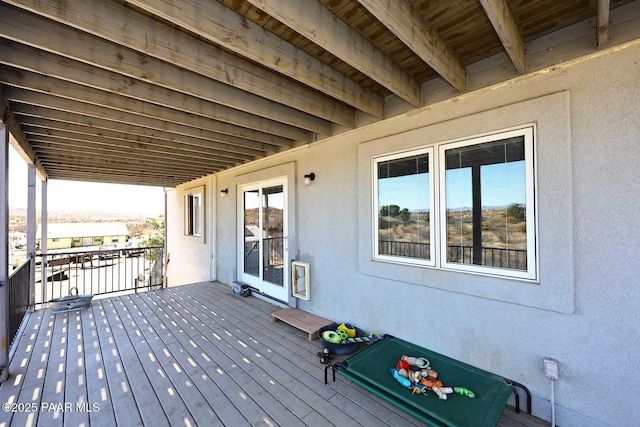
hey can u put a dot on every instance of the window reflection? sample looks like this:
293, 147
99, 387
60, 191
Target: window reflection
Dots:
403, 207
486, 204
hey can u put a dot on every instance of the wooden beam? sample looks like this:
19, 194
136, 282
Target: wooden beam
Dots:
125, 148
86, 76
64, 89
85, 176
602, 29
126, 171
113, 21
507, 29
398, 17
190, 125
17, 138
53, 119
317, 23
70, 158
188, 87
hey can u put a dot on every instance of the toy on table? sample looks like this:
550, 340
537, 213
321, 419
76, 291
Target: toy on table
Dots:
415, 373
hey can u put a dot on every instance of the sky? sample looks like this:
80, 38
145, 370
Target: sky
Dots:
73, 196
502, 184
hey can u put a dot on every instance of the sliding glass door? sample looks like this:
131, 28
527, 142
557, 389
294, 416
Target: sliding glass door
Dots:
263, 262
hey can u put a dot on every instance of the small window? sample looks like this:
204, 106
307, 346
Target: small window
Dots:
194, 213
97, 241
403, 200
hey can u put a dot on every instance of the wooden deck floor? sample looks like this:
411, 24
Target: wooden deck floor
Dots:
195, 355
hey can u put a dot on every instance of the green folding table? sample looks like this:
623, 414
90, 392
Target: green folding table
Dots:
370, 368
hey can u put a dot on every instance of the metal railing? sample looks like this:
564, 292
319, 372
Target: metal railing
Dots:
491, 256
405, 249
18, 286
98, 272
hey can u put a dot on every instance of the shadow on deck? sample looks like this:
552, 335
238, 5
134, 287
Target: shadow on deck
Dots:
195, 355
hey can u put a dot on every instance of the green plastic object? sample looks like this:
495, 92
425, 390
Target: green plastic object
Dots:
370, 369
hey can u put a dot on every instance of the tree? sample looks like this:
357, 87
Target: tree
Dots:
517, 212
404, 215
390, 210
157, 237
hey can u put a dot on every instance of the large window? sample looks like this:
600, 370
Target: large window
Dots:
485, 192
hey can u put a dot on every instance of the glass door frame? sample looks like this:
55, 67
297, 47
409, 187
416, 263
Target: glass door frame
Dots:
278, 292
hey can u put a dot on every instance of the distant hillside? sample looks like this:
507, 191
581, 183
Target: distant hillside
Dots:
135, 223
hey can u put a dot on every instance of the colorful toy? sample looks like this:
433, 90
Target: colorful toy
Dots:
351, 330
403, 364
332, 337
402, 380
420, 362
372, 337
465, 392
442, 392
415, 374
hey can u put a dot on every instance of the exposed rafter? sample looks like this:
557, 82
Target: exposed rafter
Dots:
80, 75
398, 17
222, 26
602, 27
23, 147
506, 28
317, 23
190, 125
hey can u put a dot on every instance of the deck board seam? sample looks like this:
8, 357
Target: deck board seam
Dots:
135, 362
341, 387
116, 395
240, 384
298, 336
149, 314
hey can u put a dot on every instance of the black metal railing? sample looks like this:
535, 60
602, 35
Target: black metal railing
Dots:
405, 249
273, 262
19, 290
98, 272
490, 256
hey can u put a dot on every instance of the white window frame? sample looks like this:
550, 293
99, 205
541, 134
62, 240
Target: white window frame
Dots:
437, 184
431, 262
530, 182
194, 213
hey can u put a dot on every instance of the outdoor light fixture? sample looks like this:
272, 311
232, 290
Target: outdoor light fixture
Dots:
309, 178
223, 192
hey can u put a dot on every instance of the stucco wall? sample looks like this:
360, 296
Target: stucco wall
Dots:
583, 311
190, 256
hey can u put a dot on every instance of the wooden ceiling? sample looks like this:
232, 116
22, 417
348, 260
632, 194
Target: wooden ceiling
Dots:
161, 92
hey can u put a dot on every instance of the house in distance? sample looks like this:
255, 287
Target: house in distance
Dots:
83, 234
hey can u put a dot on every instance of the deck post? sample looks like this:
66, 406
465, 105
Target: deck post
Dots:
43, 239
31, 232
5, 340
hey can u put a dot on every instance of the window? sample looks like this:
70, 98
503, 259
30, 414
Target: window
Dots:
485, 222
194, 212
403, 207
487, 210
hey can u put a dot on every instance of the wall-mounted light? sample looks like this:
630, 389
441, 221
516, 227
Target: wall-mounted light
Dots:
309, 178
224, 192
